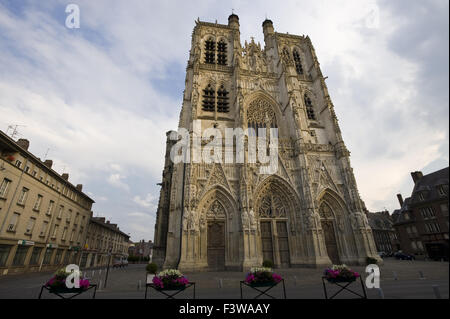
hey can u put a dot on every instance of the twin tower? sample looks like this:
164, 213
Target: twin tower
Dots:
229, 216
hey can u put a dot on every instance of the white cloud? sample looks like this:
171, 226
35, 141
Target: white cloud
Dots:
102, 97
150, 201
116, 180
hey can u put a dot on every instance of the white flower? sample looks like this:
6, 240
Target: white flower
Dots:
260, 269
170, 272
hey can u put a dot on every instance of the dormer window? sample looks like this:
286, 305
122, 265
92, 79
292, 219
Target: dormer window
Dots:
421, 197
441, 190
309, 108
210, 51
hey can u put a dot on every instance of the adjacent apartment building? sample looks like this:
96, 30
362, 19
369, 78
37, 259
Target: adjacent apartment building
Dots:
383, 230
104, 243
44, 218
422, 221
141, 249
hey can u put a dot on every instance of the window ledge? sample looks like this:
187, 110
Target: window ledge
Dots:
2, 198
20, 204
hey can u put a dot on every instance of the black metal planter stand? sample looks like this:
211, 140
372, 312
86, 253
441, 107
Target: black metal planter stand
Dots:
344, 287
169, 293
61, 293
263, 289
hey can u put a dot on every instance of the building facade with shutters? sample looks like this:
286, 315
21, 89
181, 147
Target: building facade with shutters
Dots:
222, 215
422, 222
104, 243
384, 233
43, 217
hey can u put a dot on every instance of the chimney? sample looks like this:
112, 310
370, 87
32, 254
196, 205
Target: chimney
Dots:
400, 200
416, 176
48, 163
65, 176
23, 143
79, 187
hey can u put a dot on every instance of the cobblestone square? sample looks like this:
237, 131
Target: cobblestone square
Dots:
399, 280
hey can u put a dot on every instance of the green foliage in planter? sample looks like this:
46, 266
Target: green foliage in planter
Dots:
370, 261
152, 268
267, 263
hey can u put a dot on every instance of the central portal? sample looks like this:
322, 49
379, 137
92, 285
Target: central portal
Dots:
216, 245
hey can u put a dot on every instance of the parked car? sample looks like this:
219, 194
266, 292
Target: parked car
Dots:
382, 254
403, 256
120, 262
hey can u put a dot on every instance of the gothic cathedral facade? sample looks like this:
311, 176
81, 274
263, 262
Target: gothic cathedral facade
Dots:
228, 216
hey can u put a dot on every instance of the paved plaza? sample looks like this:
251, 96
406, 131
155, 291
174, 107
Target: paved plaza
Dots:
399, 280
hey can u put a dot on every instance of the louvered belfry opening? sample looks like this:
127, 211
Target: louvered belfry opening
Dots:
222, 100
222, 53
309, 108
209, 99
298, 62
210, 51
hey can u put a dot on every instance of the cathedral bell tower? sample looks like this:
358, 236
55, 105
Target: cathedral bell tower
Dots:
219, 214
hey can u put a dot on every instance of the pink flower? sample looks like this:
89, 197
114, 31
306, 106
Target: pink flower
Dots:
250, 278
50, 282
276, 277
84, 283
158, 282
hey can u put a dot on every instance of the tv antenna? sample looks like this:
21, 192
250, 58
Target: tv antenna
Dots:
46, 153
14, 130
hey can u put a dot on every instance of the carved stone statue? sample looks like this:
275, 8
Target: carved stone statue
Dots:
186, 218
252, 219
245, 220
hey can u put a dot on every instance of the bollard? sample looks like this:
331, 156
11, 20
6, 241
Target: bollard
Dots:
395, 275
100, 285
437, 293
220, 283
139, 285
421, 275
295, 280
380, 293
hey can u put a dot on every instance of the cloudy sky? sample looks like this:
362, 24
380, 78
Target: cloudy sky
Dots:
99, 99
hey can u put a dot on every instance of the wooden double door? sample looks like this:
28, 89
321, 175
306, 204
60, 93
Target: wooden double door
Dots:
330, 241
275, 248
216, 245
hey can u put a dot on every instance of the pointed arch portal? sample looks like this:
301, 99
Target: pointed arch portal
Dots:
274, 208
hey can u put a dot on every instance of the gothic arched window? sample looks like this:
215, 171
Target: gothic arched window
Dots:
222, 53
209, 99
298, 62
309, 108
222, 100
210, 51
